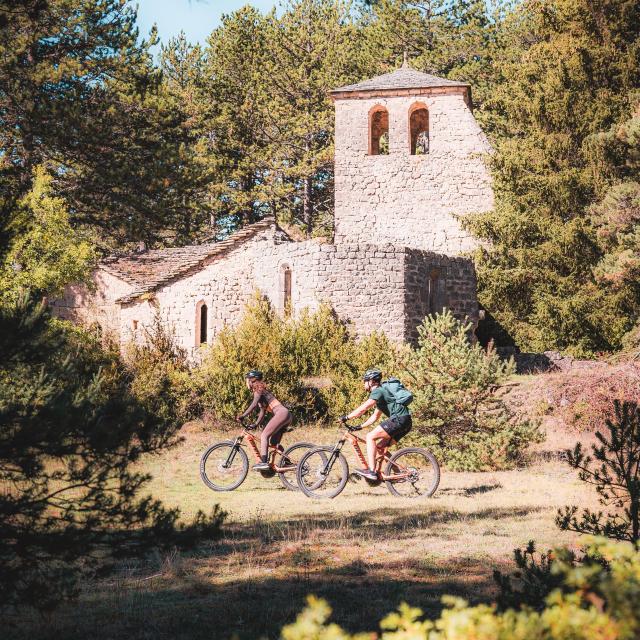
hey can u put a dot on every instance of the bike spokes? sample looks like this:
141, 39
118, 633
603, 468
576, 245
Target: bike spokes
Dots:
322, 473
412, 473
224, 466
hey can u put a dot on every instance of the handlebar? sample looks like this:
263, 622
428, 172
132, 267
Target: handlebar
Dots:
248, 427
350, 428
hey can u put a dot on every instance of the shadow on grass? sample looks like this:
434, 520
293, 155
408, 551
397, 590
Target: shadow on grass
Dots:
378, 524
255, 580
469, 492
360, 594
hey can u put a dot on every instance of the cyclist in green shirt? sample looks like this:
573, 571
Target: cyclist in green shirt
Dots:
397, 425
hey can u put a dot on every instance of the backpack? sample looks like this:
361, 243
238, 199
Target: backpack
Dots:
401, 394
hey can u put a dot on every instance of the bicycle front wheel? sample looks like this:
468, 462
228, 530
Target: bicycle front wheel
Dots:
322, 473
413, 473
224, 466
288, 460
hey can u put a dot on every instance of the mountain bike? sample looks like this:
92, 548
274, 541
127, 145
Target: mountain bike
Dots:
224, 465
411, 472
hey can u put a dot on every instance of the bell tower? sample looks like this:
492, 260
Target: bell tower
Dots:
408, 162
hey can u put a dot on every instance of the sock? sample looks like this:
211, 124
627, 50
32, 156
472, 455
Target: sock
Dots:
263, 458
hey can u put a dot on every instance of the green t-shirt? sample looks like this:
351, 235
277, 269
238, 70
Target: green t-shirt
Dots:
386, 402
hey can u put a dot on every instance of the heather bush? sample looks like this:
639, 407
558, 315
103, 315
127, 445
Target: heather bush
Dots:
458, 409
595, 602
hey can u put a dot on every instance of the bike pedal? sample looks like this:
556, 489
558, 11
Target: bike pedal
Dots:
354, 477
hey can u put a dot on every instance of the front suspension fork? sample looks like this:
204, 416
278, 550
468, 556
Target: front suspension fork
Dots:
332, 458
233, 452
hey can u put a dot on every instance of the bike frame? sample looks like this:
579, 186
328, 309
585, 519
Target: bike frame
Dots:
382, 456
252, 442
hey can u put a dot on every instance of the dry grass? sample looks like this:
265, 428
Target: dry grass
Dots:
365, 551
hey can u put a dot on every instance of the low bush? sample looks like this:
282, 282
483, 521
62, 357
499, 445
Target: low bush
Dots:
595, 602
458, 408
311, 363
160, 377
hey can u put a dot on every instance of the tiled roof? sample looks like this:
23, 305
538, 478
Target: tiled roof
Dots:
149, 270
403, 78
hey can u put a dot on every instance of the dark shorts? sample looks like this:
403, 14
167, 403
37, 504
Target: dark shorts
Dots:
397, 427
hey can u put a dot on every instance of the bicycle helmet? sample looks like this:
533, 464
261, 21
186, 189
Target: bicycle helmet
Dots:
254, 374
372, 374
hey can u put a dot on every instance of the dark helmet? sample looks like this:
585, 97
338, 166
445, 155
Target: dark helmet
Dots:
372, 374
254, 374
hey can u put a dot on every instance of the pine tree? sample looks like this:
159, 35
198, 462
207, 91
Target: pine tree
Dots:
71, 427
182, 66
568, 73
233, 111
615, 475
314, 46
79, 92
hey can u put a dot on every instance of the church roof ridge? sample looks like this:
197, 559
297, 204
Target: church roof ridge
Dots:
149, 270
403, 78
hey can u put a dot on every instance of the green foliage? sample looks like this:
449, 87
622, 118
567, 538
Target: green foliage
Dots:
71, 428
270, 128
311, 362
160, 378
595, 602
80, 94
561, 86
615, 475
533, 580
47, 252
458, 409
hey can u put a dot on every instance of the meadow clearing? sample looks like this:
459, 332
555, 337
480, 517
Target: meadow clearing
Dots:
365, 551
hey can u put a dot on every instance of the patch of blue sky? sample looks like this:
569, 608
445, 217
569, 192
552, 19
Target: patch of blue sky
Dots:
197, 18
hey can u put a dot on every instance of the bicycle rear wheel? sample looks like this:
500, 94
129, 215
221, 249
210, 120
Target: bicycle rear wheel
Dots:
322, 473
223, 466
419, 473
291, 458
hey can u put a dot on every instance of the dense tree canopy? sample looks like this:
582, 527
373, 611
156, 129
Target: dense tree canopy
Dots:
567, 86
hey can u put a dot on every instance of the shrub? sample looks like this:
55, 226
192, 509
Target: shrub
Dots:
458, 409
597, 602
615, 475
160, 377
290, 352
70, 430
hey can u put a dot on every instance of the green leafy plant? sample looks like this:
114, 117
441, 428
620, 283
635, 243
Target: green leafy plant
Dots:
458, 407
595, 602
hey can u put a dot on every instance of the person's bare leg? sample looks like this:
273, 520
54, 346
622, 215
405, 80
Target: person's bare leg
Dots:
374, 439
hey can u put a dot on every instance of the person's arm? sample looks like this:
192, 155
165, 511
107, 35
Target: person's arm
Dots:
261, 413
252, 406
363, 408
375, 416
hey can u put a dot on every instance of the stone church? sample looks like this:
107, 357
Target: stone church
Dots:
408, 162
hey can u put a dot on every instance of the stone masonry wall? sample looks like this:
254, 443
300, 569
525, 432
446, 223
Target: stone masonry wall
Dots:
83, 305
225, 285
404, 199
434, 282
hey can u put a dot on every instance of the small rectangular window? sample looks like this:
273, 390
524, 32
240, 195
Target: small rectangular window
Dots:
203, 324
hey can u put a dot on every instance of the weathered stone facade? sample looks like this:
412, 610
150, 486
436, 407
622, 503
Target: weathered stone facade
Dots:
395, 258
410, 200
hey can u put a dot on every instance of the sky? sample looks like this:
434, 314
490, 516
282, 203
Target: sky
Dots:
197, 18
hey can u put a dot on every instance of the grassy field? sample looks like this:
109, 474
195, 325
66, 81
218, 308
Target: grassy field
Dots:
365, 551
